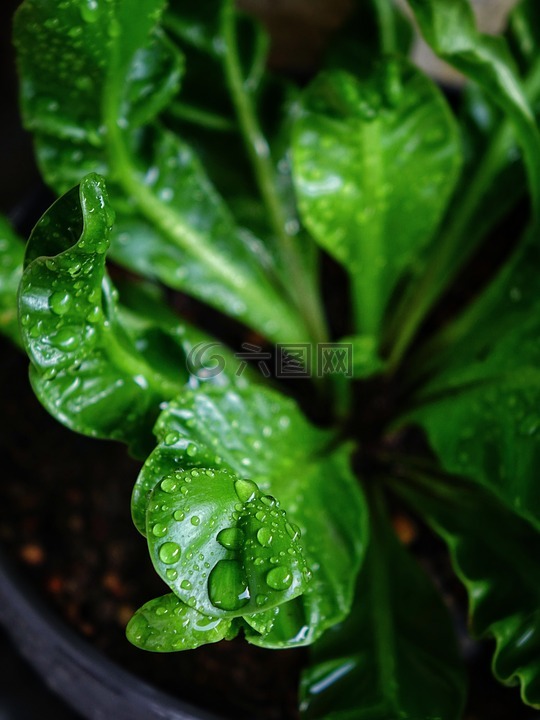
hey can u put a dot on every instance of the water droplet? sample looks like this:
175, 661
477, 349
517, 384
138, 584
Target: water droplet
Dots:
179, 515
261, 600
171, 438
268, 500
246, 490
89, 10
191, 450
231, 538
195, 520
94, 315
171, 574
169, 485
292, 531
227, 586
279, 578
114, 28
159, 530
185, 585
264, 536
60, 302
169, 553
66, 339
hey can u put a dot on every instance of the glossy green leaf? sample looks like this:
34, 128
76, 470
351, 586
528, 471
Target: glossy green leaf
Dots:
11, 262
166, 624
91, 364
396, 655
260, 436
374, 163
495, 554
449, 28
106, 69
221, 545
481, 408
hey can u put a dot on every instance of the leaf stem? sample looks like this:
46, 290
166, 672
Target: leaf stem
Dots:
387, 27
288, 329
198, 116
301, 289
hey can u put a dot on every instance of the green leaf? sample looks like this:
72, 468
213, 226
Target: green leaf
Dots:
91, 367
523, 32
166, 624
481, 408
449, 28
374, 163
386, 660
104, 70
11, 262
262, 437
495, 554
221, 545
365, 359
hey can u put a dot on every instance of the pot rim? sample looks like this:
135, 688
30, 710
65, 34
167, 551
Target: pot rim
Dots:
87, 680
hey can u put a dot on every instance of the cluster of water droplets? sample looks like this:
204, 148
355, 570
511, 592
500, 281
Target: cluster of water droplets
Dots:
167, 624
248, 560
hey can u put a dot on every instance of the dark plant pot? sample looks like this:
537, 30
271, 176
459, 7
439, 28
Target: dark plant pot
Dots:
84, 678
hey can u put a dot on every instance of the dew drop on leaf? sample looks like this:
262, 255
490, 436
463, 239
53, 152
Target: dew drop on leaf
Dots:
279, 578
159, 530
231, 538
264, 536
227, 586
60, 302
66, 339
245, 489
169, 485
169, 553
89, 10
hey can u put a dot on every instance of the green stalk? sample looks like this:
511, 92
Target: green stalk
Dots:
446, 260
387, 25
188, 238
301, 289
202, 118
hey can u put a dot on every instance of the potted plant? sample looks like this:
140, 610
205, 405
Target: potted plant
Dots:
374, 245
